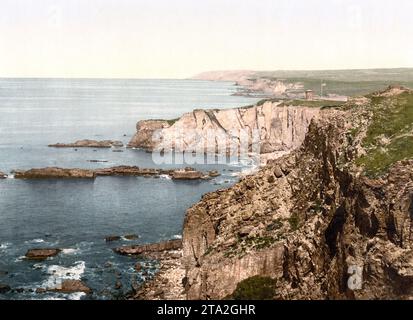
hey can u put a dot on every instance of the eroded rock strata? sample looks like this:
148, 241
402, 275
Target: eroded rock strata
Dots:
279, 127
341, 202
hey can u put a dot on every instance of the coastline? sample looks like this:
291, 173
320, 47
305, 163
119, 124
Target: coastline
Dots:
168, 282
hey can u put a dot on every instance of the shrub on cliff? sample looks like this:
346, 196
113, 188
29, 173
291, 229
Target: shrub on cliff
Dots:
255, 288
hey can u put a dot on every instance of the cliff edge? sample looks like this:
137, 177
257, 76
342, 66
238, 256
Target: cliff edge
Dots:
330, 220
281, 128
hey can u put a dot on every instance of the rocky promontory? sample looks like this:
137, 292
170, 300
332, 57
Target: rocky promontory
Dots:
86, 143
330, 220
281, 127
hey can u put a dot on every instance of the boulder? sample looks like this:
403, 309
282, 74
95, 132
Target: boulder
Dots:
186, 175
70, 286
214, 173
41, 254
277, 171
112, 238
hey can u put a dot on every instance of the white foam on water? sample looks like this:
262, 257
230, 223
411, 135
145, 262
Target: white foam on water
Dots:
76, 295
58, 273
10, 176
19, 259
177, 236
4, 245
165, 177
70, 251
34, 241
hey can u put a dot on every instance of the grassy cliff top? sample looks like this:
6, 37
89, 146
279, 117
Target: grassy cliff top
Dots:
389, 135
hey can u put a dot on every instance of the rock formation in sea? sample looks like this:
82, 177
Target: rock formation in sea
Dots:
187, 173
89, 144
42, 254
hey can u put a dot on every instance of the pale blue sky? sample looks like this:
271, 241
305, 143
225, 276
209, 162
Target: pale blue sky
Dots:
179, 38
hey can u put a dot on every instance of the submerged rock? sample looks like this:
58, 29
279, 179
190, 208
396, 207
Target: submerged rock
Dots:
41, 254
88, 144
4, 288
131, 236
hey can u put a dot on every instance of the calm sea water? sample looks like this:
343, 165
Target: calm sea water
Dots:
77, 215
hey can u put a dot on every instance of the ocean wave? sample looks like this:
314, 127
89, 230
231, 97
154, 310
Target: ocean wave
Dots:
71, 296
19, 259
70, 251
58, 273
34, 241
165, 177
5, 245
177, 236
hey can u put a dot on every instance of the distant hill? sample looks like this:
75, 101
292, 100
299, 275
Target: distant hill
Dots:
341, 82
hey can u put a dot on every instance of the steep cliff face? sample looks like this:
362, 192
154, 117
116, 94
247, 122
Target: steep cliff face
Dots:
311, 217
280, 128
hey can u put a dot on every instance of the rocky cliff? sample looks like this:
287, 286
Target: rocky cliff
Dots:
331, 220
280, 127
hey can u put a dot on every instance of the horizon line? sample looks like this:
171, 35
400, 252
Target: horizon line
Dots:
194, 75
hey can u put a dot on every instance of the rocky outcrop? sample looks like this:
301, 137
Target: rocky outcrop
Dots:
3, 175
312, 220
64, 173
278, 128
145, 129
150, 248
54, 172
71, 286
41, 254
186, 175
89, 144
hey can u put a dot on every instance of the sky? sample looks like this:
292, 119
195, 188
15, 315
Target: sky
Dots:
180, 38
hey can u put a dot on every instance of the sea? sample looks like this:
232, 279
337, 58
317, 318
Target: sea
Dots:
77, 215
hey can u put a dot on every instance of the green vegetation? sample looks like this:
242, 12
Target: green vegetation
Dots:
255, 288
389, 137
170, 121
313, 103
261, 102
344, 82
377, 161
257, 243
294, 222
